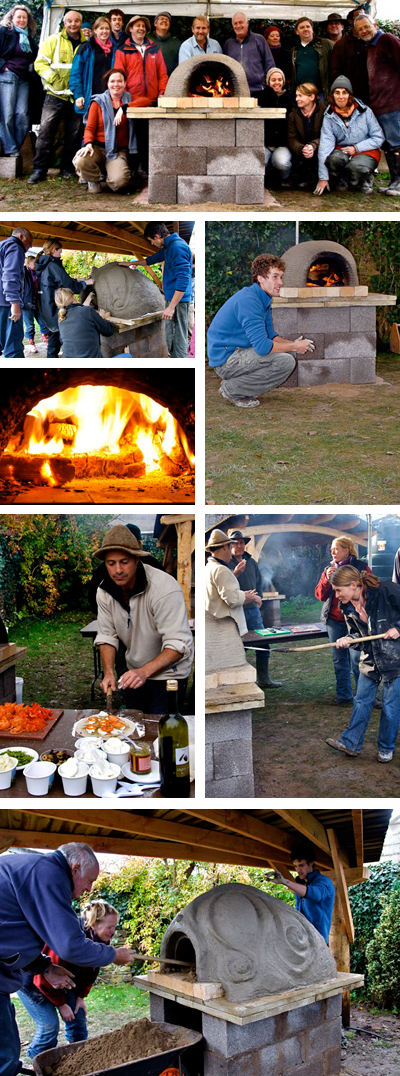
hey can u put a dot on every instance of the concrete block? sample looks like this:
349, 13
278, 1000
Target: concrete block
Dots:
178, 161
231, 787
209, 761
214, 1065
206, 132
270, 1061
240, 161
322, 373
319, 353
362, 371
363, 319
285, 321
229, 1039
298, 1020
310, 1068
11, 167
163, 134
250, 134
333, 1007
233, 759
162, 189
245, 674
292, 381
344, 345
250, 190
206, 189
330, 1038
228, 726
323, 319
157, 1007
332, 1062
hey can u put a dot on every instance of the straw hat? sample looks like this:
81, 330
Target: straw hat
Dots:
120, 538
135, 18
216, 540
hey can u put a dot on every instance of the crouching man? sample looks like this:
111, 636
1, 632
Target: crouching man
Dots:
245, 351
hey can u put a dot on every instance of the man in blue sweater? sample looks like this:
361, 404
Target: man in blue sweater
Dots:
243, 347
177, 283
12, 285
314, 892
35, 909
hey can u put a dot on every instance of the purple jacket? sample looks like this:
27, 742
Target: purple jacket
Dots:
12, 276
383, 66
254, 55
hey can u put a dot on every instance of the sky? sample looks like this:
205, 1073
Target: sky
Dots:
388, 9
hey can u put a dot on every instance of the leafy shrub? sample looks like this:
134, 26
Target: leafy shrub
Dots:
367, 910
383, 953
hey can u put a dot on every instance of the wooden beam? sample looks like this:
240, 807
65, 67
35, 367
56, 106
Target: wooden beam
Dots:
340, 949
72, 240
341, 885
249, 826
300, 528
124, 237
305, 823
357, 818
118, 846
353, 875
184, 553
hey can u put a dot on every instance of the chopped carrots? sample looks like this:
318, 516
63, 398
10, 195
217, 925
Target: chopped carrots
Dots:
108, 724
16, 718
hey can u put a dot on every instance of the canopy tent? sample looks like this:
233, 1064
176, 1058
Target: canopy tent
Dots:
312, 528
100, 236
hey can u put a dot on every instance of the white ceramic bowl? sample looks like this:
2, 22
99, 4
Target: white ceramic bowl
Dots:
20, 747
75, 786
39, 777
7, 776
121, 757
105, 784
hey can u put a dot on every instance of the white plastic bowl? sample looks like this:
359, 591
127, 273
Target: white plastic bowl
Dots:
39, 777
80, 755
119, 757
105, 784
20, 747
7, 776
75, 786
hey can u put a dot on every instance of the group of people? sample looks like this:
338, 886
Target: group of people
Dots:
38, 286
341, 94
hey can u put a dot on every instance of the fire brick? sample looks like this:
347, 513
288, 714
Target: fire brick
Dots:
178, 161
249, 134
206, 189
242, 162
250, 190
212, 134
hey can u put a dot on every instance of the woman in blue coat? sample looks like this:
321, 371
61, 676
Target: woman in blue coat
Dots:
91, 62
52, 275
349, 142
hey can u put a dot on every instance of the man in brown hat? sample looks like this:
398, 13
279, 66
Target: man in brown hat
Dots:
248, 574
145, 608
141, 61
223, 594
334, 27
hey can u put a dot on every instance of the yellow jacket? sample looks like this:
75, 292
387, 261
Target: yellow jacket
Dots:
54, 61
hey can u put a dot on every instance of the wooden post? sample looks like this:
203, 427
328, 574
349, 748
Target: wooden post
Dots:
340, 949
184, 573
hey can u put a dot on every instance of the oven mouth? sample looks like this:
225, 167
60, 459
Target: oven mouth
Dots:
211, 79
328, 270
179, 947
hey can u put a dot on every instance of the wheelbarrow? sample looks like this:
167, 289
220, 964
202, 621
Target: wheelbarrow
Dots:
156, 1065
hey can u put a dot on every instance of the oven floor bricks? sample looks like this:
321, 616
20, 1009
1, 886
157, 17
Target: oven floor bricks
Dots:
192, 160
345, 343
304, 1041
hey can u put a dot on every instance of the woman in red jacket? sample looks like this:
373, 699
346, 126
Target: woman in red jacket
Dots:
99, 921
109, 138
142, 62
344, 661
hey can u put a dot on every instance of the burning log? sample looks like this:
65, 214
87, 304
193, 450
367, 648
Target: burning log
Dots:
64, 430
37, 469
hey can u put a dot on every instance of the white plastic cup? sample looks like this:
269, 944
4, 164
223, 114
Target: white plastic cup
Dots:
74, 786
39, 777
119, 757
105, 784
19, 687
7, 776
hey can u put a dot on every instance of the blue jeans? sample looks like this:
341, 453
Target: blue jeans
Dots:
29, 316
14, 117
344, 661
363, 704
9, 1038
255, 620
11, 335
46, 1018
390, 123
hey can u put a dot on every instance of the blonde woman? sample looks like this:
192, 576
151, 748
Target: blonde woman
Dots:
371, 607
345, 662
52, 275
43, 1002
17, 54
80, 327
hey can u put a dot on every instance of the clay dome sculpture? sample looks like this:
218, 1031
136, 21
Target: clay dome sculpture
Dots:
126, 294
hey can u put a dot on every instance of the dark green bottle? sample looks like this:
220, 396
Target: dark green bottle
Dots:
173, 741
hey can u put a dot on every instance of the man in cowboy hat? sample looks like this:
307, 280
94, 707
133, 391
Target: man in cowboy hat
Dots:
248, 574
223, 594
145, 609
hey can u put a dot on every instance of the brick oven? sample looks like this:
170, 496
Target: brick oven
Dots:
62, 429
266, 993
209, 145
322, 298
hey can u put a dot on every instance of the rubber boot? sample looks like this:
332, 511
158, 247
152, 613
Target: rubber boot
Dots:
394, 187
263, 677
392, 157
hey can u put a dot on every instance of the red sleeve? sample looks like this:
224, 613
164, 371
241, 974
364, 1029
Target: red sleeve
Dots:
323, 588
57, 997
162, 73
120, 61
92, 125
84, 979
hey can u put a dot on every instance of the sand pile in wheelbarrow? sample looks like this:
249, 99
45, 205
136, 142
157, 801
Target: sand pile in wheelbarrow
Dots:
139, 1038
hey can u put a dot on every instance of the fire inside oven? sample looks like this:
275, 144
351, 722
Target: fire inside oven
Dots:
328, 271
211, 79
89, 431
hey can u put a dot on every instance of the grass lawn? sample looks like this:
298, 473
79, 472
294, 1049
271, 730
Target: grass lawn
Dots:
318, 445
109, 1007
290, 755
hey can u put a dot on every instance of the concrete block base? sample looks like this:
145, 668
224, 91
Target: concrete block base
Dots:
11, 167
345, 342
144, 342
199, 160
229, 754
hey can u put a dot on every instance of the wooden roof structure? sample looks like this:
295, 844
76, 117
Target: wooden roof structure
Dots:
99, 236
312, 528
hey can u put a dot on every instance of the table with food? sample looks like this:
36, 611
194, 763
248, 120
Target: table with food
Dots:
84, 753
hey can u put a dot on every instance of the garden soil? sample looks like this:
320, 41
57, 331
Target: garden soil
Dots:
373, 1044
138, 1039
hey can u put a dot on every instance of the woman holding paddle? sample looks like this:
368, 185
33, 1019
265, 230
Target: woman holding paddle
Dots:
370, 607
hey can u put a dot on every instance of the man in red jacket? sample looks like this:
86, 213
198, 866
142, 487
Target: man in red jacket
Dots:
142, 62
383, 66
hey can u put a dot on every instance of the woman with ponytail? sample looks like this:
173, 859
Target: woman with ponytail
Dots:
371, 606
80, 327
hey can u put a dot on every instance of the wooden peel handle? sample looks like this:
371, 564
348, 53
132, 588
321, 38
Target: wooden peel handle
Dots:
324, 646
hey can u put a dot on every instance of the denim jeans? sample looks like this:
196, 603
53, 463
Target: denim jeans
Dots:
390, 123
363, 704
9, 1038
14, 117
255, 620
11, 335
344, 661
45, 1015
280, 159
29, 316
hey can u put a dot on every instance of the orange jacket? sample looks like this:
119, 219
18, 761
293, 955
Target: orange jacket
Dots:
146, 76
94, 130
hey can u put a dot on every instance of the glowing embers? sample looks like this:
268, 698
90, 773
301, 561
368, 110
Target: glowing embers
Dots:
328, 273
211, 80
94, 431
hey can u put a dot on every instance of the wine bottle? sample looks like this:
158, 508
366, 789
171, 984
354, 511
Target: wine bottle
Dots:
173, 741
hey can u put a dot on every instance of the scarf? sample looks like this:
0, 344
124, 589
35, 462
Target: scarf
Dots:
24, 42
309, 112
105, 45
110, 131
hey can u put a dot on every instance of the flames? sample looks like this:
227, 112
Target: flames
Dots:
102, 421
321, 275
212, 87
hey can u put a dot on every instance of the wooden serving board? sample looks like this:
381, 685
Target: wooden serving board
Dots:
33, 735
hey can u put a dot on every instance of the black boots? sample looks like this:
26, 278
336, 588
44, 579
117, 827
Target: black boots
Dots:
393, 159
263, 677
